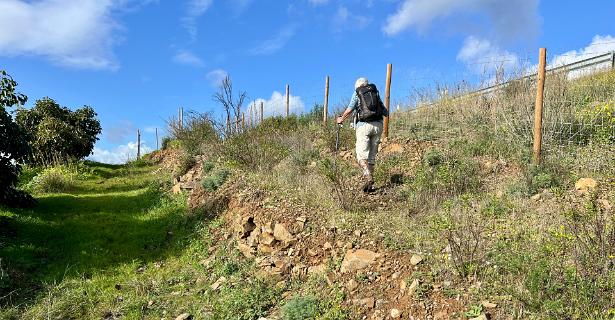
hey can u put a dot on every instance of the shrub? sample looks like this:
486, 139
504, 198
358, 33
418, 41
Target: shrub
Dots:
263, 147
166, 143
216, 180
58, 134
301, 308
186, 162
14, 146
546, 176
208, 166
466, 230
448, 177
196, 135
433, 157
53, 180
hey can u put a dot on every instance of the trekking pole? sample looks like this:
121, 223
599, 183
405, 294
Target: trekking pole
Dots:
337, 135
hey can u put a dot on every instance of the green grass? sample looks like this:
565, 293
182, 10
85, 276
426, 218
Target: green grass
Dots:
112, 245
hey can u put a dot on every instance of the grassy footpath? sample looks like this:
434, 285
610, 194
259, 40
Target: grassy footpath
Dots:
115, 246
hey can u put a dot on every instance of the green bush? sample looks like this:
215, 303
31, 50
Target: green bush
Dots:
56, 179
186, 162
208, 166
58, 134
196, 135
14, 146
215, 180
264, 146
546, 176
246, 302
448, 177
166, 143
301, 308
433, 157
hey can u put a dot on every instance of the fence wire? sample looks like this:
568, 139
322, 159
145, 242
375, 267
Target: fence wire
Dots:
578, 115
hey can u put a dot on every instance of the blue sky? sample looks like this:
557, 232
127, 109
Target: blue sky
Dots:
137, 61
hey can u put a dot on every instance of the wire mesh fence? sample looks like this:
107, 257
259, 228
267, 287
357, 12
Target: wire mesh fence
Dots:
578, 112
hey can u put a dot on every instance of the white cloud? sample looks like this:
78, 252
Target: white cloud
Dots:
344, 19
276, 43
318, 2
509, 19
79, 34
482, 56
276, 105
599, 45
196, 8
188, 58
120, 154
215, 77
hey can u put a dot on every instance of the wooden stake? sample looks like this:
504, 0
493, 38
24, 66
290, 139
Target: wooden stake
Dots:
540, 87
157, 139
262, 109
287, 100
387, 101
181, 117
138, 144
251, 121
243, 121
326, 104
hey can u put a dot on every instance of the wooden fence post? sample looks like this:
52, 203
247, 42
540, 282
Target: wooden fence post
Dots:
387, 101
262, 111
287, 100
157, 139
325, 109
540, 87
181, 117
138, 144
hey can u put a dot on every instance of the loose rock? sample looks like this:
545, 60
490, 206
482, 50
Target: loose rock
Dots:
395, 314
357, 260
585, 185
280, 233
416, 259
184, 316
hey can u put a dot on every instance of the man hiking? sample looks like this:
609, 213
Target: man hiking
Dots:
369, 112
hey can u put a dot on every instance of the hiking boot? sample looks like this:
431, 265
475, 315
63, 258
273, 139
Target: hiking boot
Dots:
368, 179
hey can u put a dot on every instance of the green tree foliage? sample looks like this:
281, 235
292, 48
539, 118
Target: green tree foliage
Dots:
13, 144
58, 134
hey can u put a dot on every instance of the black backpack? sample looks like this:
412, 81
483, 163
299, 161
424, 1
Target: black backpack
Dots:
370, 105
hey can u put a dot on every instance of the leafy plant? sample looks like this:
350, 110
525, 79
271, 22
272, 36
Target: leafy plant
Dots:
14, 146
301, 308
57, 134
55, 179
216, 180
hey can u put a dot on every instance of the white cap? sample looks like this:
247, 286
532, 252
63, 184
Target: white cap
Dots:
360, 82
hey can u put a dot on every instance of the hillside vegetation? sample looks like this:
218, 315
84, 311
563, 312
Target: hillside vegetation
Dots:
269, 221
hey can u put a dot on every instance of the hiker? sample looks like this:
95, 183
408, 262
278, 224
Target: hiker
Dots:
369, 112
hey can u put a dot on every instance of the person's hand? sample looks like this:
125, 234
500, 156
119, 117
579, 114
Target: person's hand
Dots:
340, 120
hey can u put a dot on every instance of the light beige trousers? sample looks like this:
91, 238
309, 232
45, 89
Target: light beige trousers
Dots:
368, 139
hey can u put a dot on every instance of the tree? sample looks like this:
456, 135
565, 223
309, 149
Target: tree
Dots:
13, 144
232, 106
58, 134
